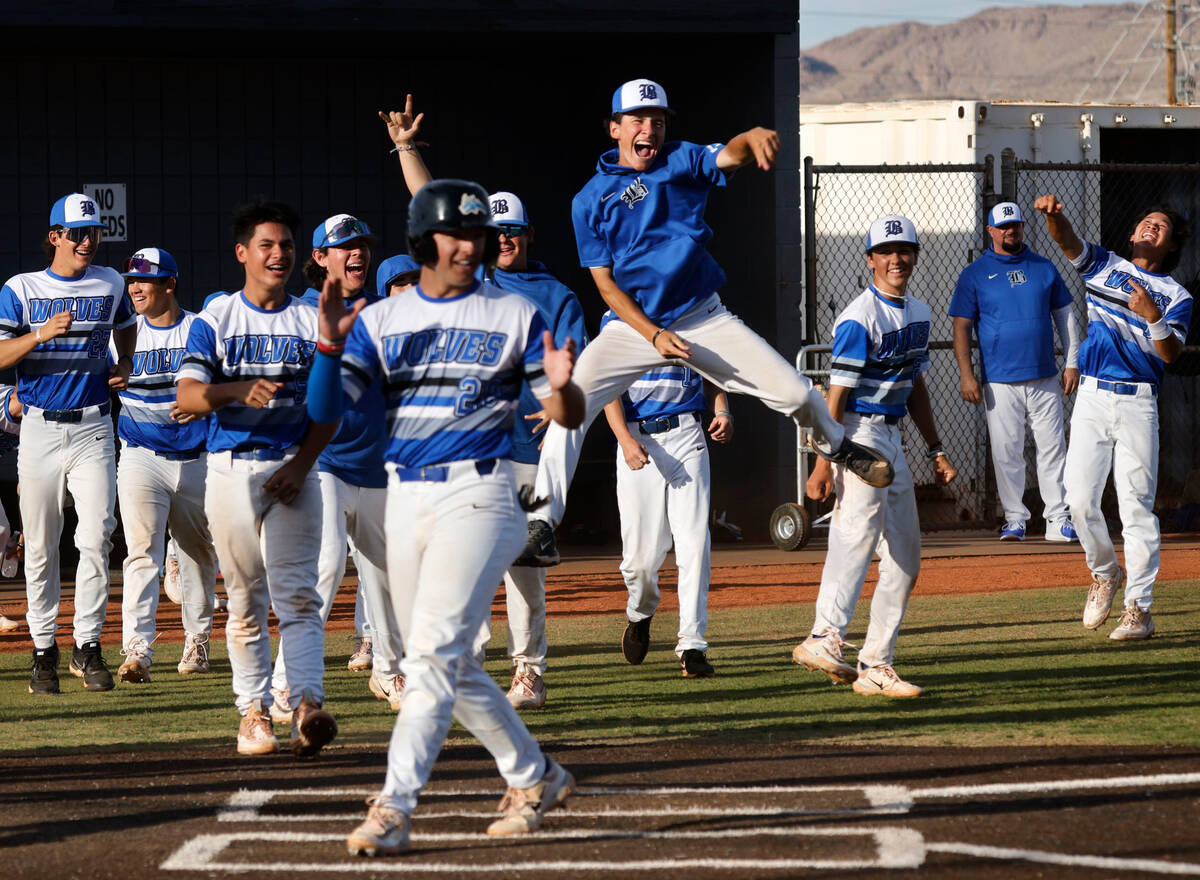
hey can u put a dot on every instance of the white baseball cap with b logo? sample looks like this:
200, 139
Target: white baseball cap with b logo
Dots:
507, 209
892, 229
638, 94
74, 211
1005, 213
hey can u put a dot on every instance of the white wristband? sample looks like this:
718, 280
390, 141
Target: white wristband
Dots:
1159, 329
38, 333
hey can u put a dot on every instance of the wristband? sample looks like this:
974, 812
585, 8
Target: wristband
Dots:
934, 451
405, 149
726, 413
38, 333
329, 348
331, 343
657, 333
1159, 329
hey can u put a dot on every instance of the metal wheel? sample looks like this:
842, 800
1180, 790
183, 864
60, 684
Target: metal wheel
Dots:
790, 526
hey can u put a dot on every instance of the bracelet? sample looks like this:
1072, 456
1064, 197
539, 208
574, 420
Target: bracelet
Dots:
657, 333
935, 451
407, 148
726, 413
38, 333
1159, 329
330, 348
331, 343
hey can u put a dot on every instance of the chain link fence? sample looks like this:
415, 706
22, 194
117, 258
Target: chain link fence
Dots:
948, 204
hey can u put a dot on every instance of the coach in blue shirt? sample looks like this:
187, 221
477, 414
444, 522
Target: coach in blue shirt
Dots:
1011, 295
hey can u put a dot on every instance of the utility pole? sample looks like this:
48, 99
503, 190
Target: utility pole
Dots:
1170, 4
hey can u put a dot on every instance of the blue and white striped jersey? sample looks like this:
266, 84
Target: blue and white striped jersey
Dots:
662, 392
71, 370
145, 418
879, 347
1118, 345
451, 370
235, 341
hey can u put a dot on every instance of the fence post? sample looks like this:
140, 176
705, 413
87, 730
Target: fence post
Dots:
810, 253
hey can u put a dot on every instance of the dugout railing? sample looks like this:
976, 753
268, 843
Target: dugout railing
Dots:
948, 204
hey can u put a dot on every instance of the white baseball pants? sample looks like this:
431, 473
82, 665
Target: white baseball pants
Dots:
449, 543
723, 350
1117, 432
155, 493
667, 498
355, 513
866, 520
1009, 407
256, 535
54, 458
525, 599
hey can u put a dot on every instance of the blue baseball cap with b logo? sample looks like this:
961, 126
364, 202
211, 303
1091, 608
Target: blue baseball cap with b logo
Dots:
1005, 213
638, 94
891, 229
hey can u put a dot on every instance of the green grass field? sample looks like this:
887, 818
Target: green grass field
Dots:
1006, 669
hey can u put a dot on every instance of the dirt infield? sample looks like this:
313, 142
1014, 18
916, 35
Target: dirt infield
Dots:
675, 810
741, 577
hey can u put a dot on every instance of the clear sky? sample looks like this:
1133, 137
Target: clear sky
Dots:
821, 20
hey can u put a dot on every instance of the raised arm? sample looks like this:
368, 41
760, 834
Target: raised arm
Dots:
759, 145
402, 128
1059, 226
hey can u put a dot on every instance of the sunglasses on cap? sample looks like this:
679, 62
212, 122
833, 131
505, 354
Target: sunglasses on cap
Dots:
512, 230
346, 229
141, 266
76, 234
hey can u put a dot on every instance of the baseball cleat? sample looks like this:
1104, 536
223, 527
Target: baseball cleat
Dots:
195, 655
1013, 531
383, 833
312, 728
44, 679
86, 663
540, 551
361, 659
136, 668
281, 707
1100, 598
527, 691
823, 653
1062, 532
387, 687
523, 808
882, 681
695, 664
1135, 624
7, 624
172, 585
635, 642
865, 463
256, 734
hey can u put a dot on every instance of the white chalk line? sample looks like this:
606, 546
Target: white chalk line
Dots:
1159, 779
1110, 863
567, 813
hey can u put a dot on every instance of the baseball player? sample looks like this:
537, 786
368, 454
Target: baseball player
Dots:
1010, 295
160, 477
450, 355
1138, 318
54, 327
639, 227
352, 481
247, 363
663, 488
880, 348
396, 275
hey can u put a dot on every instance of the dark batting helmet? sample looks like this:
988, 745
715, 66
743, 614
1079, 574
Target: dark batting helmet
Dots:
444, 206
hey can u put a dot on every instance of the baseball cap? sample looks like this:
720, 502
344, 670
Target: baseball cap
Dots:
339, 229
391, 269
892, 228
151, 263
639, 93
74, 211
1005, 213
507, 209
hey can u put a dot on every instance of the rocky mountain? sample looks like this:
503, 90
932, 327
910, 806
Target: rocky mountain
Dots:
1100, 53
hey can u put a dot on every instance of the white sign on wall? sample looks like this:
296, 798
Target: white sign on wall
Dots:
111, 199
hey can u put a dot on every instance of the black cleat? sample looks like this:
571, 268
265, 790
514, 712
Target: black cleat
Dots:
45, 671
695, 664
865, 463
540, 550
86, 663
636, 640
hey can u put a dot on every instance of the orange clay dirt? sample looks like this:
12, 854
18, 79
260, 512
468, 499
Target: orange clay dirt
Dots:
954, 563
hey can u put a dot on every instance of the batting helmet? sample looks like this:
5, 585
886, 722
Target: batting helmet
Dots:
444, 206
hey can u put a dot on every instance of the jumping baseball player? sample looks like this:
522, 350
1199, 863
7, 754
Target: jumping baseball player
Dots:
880, 348
639, 227
54, 327
663, 488
450, 355
353, 482
1138, 318
160, 477
247, 364
1010, 295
